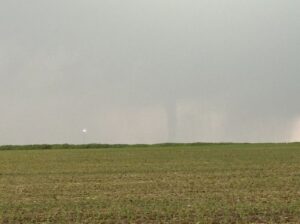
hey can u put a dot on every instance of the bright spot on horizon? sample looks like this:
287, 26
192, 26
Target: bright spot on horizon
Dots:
84, 130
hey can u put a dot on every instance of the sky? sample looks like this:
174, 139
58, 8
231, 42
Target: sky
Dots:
149, 71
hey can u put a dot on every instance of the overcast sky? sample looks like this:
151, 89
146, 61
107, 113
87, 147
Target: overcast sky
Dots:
146, 71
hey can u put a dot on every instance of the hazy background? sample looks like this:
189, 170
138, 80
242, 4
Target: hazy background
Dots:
145, 71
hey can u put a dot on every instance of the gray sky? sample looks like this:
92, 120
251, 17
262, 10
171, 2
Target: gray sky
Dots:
145, 71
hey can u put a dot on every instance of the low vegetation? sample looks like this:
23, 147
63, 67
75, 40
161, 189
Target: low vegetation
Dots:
172, 183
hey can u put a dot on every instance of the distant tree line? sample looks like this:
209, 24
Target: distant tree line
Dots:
94, 146
103, 146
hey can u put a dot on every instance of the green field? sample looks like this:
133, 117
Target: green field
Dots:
226, 183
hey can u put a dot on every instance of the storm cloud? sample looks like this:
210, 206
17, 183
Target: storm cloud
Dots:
142, 71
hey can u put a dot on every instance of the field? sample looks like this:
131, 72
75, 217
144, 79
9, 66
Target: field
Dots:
225, 183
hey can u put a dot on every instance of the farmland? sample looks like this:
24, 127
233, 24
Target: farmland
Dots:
205, 183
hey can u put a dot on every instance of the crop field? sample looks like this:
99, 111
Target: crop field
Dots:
208, 183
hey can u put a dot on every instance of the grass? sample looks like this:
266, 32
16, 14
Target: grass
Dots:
226, 183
